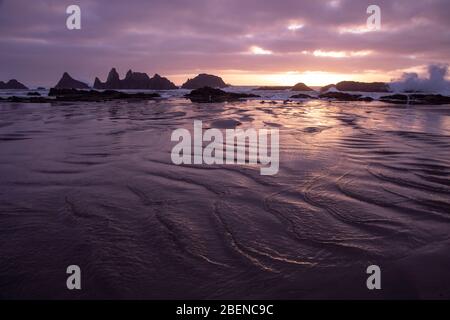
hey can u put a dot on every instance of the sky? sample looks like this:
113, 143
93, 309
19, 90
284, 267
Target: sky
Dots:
246, 42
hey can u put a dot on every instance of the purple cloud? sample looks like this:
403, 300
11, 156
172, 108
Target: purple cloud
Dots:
180, 38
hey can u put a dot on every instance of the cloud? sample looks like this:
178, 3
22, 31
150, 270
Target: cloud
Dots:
259, 51
340, 54
186, 37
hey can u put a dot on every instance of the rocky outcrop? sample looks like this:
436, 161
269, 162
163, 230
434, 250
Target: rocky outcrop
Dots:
327, 87
357, 86
341, 96
362, 86
207, 95
67, 82
423, 99
301, 87
113, 80
204, 80
395, 98
98, 84
93, 95
302, 96
134, 80
12, 84
27, 99
74, 95
161, 83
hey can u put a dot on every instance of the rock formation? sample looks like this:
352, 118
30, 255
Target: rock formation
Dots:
134, 80
423, 99
327, 87
341, 96
302, 96
93, 95
362, 86
12, 84
207, 94
67, 82
301, 87
161, 83
204, 80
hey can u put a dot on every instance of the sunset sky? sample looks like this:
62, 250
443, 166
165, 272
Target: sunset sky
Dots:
247, 42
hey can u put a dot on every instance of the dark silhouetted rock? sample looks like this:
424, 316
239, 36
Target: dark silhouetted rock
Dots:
362, 86
429, 99
98, 84
207, 94
424, 99
67, 82
113, 80
27, 99
395, 98
134, 80
204, 80
12, 84
302, 96
161, 83
341, 96
93, 95
327, 87
301, 87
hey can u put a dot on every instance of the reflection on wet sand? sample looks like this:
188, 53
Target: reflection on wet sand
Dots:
94, 185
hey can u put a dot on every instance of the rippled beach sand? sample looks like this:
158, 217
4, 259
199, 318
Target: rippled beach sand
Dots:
94, 185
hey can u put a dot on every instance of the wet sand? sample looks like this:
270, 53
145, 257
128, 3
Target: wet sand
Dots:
94, 185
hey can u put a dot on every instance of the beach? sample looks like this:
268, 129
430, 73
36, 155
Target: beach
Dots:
93, 184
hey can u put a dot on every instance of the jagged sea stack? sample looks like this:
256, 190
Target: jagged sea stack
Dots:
12, 84
67, 82
134, 80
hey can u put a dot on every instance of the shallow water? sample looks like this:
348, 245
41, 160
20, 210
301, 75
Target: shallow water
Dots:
94, 185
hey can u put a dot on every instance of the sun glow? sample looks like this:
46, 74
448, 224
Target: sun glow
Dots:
259, 51
340, 54
310, 78
295, 26
355, 30
290, 78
